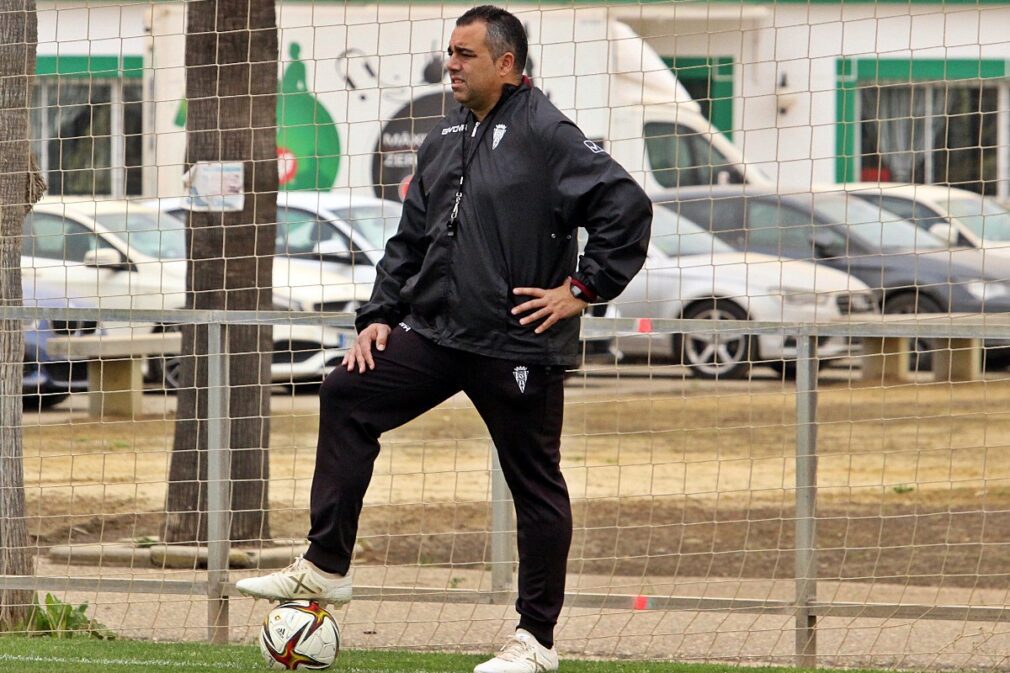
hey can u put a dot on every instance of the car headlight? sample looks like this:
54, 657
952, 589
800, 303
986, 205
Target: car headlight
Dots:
987, 290
855, 302
798, 296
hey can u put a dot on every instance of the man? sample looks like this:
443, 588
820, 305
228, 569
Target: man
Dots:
479, 291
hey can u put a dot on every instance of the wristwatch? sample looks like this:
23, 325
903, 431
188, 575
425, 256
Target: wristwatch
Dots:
581, 291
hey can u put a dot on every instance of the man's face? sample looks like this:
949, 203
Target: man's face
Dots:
475, 76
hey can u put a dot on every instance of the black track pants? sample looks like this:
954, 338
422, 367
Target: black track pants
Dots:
521, 404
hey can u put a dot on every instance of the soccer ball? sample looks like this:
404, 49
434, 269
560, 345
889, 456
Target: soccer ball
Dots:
299, 635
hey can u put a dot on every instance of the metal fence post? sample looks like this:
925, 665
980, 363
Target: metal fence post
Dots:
502, 538
806, 500
218, 482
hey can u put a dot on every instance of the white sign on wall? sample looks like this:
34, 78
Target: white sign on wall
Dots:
215, 186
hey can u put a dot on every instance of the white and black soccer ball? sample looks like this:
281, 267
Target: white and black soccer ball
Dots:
299, 635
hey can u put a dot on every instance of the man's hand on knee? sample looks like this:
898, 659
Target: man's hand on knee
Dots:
360, 353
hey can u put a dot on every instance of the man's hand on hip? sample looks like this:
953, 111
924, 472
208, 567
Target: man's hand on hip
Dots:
360, 353
548, 305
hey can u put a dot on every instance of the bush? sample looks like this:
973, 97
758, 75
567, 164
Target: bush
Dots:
57, 619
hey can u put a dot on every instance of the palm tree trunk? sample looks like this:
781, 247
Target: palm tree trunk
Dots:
231, 88
19, 190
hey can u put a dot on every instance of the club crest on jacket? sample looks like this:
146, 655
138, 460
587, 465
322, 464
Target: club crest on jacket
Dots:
499, 133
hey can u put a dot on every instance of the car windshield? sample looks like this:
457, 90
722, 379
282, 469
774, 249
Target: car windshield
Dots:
873, 227
152, 234
675, 235
986, 218
374, 223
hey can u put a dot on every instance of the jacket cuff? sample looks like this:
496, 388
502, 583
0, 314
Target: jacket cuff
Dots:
588, 292
363, 321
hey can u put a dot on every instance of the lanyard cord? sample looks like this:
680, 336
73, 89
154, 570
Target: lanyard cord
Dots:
467, 160
459, 194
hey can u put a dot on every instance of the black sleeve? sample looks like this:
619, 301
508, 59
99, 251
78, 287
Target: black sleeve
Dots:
595, 192
402, 259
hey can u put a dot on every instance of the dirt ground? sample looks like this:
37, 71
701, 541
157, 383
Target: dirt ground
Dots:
669, 477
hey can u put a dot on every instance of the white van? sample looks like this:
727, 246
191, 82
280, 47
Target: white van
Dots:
360, 87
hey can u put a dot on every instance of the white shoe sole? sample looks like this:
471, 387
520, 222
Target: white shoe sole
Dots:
322, 600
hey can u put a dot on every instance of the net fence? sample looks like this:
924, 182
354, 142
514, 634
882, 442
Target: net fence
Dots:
784, 441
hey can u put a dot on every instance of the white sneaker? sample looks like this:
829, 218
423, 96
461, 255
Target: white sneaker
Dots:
521, 654
301, 580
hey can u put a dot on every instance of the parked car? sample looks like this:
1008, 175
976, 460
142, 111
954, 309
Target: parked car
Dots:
691, 274
125, 255
960, 217
344, 231
338, 227
909, 269
47, 381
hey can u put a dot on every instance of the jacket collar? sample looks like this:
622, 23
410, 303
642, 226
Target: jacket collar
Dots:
524, 83
508, 90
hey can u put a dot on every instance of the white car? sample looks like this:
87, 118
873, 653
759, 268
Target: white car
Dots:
960, 217
124, 255
691, 274
341, 231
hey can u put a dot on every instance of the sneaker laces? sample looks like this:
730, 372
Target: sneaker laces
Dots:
514, 649
297, 564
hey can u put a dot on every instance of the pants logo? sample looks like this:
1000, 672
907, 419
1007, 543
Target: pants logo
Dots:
521, 374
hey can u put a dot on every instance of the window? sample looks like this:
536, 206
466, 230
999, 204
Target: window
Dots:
911, 210
922, 120
942, 132
871, 229
54, 237
709, 81
300, 231
721, 216
675, 236
159, 237
87, 135
984, 217
376, 224
776, 227
681, 157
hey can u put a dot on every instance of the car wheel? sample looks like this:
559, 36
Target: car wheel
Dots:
787, 368
166, 370
922, 349
711, 355
40, 401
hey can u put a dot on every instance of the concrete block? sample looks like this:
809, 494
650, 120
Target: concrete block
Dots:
179, 556
277, 557
100, 555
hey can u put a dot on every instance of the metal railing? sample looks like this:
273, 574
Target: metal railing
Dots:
805, 607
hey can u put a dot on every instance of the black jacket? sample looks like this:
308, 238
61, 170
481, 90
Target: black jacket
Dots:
531, 180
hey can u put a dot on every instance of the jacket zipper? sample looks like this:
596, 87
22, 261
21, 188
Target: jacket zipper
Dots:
455, 208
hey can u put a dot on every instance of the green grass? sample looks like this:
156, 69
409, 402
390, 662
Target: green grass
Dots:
80, 655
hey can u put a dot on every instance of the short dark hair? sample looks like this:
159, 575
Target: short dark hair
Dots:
504, 32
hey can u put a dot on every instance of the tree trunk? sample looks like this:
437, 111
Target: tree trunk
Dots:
19, 190
231, 88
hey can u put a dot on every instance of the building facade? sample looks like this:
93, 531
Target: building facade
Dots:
811, 91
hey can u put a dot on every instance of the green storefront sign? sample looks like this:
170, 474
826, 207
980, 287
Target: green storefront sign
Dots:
308, 144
